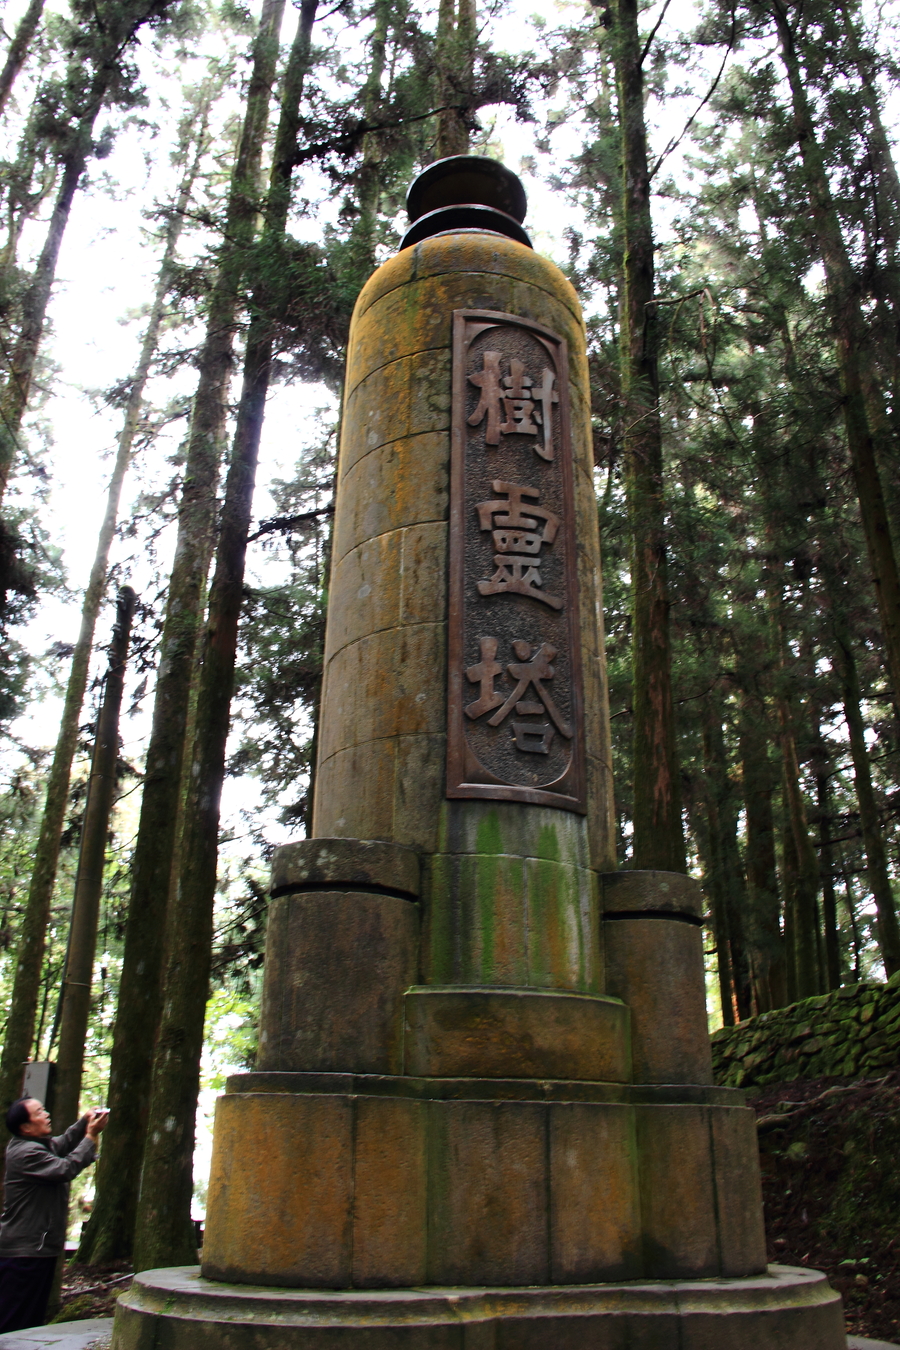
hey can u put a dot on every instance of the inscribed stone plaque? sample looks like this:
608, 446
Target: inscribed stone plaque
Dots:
516, 730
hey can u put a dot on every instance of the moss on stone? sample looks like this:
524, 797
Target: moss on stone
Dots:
854, 1029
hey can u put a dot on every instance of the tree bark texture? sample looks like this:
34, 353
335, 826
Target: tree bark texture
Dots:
806, 864
109, 1234
370, 171
888, 929
854, 927
163, 1233
856, 353
658, 830
20, 1028
455, 61
723, 821
705, 821
789, 887
887, 190
76, 988
832, 963
16, 390
758, 781
18, 49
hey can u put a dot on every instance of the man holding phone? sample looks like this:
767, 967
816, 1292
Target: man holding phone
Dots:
39, 1168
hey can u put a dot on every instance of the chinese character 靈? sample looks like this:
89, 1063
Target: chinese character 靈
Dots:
519, 528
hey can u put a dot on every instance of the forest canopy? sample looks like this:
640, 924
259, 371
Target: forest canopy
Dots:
192, 193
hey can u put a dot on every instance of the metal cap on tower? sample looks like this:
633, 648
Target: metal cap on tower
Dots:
466, 192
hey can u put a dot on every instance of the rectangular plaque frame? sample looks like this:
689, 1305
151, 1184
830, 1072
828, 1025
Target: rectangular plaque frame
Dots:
470, 615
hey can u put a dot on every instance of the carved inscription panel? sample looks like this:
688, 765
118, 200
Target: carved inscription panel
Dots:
515, 702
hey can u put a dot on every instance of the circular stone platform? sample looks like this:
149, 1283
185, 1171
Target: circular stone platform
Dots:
786, 1309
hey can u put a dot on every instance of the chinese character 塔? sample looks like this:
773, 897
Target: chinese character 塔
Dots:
530, 671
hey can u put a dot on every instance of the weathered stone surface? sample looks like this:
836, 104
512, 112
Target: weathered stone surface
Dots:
487, 255
390, 1214
594, 1207
487, 1187
655, 966
366, 585
280, 1191
474, 930
655, 892
742, 1235
501, 919
402, 483
407, 398
678, 1213
784, 1310
389, 576
478, 1089
337, 964
393, 580
517, 1033
91, 1333
355, 793
503, 827
370, 862
418, 318
562, 927
374, 1188
386, 685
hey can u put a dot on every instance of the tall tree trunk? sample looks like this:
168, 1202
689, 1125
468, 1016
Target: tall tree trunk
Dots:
109, 1234
723, 823
789, 886
18, 49
762, 872
854, 926
704, 819
20, 205
832, 963
76, 987
887, 182
30, 955
163, 1234
17, 388
806, 955
876, 855
857, 357
370, 172
658, 831
454, 59
801, 862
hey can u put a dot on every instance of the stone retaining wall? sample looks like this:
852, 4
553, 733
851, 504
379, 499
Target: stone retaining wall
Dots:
854, 1030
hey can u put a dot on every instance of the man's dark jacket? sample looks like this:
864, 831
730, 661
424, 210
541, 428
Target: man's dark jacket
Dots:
36, 1190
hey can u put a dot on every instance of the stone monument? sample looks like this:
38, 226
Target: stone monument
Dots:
483, 1116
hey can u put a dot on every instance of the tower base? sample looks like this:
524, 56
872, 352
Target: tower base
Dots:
785, 1309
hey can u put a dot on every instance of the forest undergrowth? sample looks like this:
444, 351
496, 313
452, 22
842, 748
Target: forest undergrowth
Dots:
830, 1156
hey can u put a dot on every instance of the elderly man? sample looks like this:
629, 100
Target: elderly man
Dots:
33, 1225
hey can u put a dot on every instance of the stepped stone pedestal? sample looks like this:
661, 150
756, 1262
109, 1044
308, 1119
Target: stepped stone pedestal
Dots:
483, 1115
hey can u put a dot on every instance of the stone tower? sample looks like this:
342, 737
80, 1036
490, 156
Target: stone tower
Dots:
483, 1114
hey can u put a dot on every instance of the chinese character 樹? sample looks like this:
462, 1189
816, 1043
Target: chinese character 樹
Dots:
526, 408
